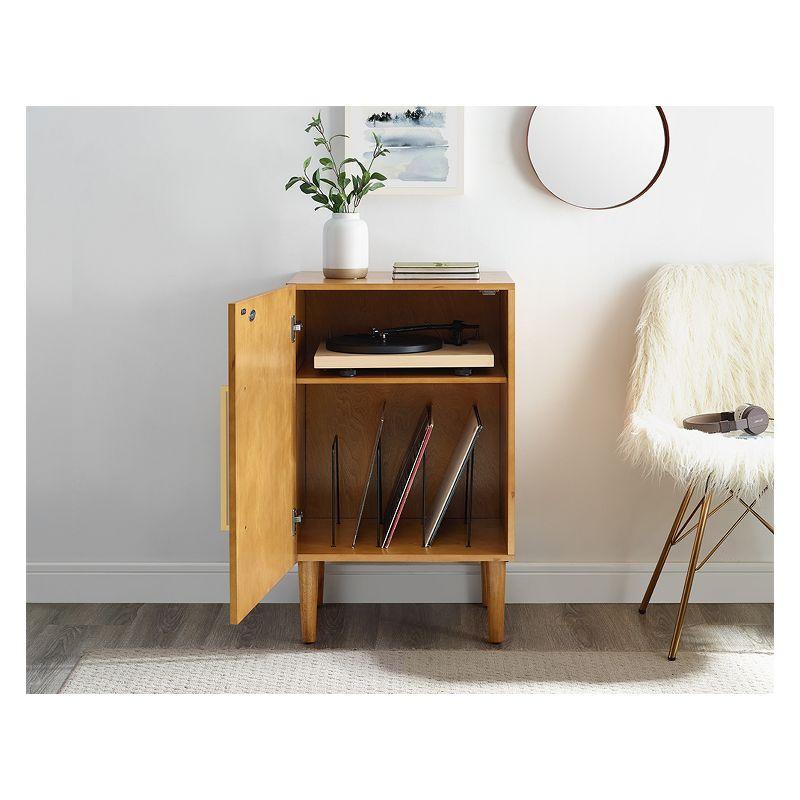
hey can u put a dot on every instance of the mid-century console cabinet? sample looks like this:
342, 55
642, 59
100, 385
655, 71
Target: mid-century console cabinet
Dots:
279, 416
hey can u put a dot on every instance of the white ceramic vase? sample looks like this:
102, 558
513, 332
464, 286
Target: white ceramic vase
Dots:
345, 246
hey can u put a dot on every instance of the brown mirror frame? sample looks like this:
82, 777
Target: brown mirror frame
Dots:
617, 205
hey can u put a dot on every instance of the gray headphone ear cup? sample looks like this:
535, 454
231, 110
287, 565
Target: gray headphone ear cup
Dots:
756, 419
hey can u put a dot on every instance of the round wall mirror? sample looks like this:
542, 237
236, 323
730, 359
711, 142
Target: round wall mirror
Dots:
600, 157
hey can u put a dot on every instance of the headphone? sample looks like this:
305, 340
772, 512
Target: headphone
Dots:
748, 418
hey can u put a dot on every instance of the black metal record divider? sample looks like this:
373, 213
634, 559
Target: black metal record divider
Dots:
336, 518
468, 494
379, 492
424, 456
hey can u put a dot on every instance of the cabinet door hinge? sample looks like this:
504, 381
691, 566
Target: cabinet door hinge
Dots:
296, 327
297, 518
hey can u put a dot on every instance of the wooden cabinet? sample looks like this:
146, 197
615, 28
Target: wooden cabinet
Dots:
282, 415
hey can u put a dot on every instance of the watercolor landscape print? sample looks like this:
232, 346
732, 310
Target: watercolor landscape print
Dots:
425, 143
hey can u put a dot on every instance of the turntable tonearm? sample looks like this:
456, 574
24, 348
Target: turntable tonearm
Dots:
405, 347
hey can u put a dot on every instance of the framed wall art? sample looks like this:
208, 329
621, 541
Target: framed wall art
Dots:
425, 143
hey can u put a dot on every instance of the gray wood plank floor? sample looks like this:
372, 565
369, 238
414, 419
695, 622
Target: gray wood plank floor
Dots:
58, 634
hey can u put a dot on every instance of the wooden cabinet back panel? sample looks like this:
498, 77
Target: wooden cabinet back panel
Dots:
332, 313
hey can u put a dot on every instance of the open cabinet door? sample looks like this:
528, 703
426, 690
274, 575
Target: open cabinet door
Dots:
262, 454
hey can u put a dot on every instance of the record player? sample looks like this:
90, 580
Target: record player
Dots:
407, 347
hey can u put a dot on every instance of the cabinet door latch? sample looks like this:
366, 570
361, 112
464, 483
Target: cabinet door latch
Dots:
296, 327
297, 518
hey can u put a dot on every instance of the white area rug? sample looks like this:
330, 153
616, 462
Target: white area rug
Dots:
417, 672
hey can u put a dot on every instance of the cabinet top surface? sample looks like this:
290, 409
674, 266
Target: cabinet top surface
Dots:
383, 281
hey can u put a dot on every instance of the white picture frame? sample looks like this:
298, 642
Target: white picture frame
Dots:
433, 168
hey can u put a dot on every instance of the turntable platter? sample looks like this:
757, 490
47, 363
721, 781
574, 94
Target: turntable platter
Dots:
396, 344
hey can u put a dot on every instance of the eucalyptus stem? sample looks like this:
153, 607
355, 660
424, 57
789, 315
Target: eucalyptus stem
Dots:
337, 197
369, 169
327, 145
329, 148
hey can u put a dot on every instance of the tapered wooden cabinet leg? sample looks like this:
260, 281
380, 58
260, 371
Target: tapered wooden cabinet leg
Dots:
321, 586
309, 575
687, 586
496, 599
483, 583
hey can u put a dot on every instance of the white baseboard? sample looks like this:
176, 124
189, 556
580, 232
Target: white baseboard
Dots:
399, 583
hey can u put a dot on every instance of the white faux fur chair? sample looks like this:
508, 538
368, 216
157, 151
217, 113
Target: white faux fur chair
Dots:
704, 344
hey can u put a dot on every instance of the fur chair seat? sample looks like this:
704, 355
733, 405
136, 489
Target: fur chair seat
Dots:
704, 344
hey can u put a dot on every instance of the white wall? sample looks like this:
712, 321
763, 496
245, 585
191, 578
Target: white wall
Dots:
144, 223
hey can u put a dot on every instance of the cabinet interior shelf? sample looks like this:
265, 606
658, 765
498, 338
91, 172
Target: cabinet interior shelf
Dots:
308, 375
488, 542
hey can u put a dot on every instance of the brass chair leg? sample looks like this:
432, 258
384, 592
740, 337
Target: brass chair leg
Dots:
756, 514
687, 586
665, 552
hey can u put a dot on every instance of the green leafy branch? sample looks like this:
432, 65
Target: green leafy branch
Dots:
329, 185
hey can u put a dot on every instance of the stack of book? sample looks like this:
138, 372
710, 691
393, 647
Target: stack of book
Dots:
436, 270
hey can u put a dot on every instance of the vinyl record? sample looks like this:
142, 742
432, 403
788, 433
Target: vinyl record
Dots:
396, 344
